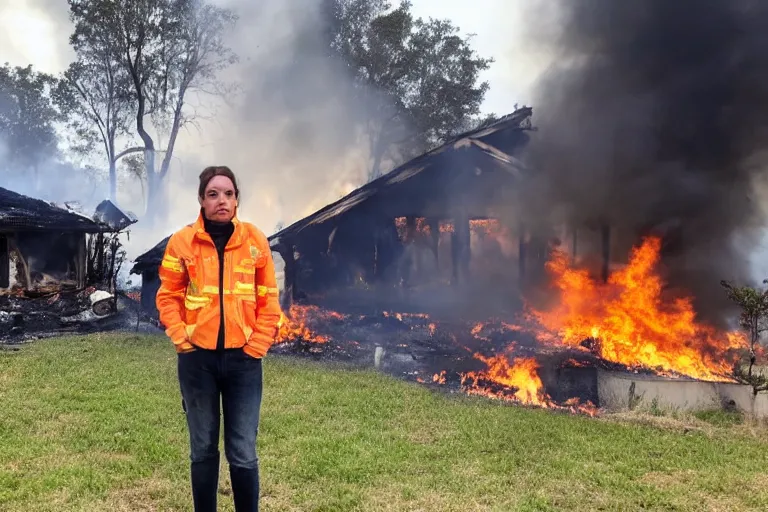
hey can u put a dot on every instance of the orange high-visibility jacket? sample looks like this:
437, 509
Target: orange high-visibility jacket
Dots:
189, 296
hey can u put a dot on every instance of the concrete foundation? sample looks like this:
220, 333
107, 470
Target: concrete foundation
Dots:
623, 390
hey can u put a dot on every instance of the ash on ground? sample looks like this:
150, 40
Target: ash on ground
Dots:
26, 318
434, 352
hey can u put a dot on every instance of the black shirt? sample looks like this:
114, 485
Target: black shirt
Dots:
220, 233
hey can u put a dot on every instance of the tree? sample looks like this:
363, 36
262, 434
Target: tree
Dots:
94, 95
418, 78
754, 320
28, 117
167, 49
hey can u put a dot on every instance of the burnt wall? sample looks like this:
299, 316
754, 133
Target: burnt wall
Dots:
150, 283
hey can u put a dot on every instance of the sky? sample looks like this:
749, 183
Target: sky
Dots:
499, 32
37, 31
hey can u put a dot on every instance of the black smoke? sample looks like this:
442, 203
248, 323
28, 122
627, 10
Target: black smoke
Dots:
654, 118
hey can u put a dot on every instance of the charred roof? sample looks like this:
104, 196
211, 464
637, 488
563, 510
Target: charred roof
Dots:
19, 212
150, 260
109, 214
490, 145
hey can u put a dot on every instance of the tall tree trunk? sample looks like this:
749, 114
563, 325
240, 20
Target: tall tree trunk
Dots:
112, 180
110, 142
153, 185
156, 205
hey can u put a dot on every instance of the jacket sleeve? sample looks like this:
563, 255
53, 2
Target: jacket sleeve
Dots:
170, 296
268, 312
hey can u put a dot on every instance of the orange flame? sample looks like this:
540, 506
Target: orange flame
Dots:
421, 227
488, 227
402, 316
630, 321
294, 327
522, 376
476, 331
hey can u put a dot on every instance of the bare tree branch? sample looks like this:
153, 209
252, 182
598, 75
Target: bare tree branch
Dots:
166, 49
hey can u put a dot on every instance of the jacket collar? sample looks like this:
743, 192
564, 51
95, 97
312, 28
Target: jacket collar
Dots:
237, 238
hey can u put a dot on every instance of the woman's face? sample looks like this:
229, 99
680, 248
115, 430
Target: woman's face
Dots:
219, 201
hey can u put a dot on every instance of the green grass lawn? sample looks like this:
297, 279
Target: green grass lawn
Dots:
96, 424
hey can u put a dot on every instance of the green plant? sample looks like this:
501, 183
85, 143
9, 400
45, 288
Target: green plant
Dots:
754, 320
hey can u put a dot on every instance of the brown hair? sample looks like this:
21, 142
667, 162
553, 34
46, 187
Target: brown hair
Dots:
216, 170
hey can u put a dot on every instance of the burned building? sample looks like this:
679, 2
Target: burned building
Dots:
426, 220
58, 266
147, 266
46, 248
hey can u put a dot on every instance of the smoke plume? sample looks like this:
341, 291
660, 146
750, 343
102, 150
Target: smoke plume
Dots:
290, 132
654, 119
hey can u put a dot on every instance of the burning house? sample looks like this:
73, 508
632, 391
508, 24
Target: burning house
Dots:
50, 252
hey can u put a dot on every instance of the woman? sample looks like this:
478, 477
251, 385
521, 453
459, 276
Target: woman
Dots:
218, 300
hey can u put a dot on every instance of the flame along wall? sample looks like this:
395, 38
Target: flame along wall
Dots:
431, 251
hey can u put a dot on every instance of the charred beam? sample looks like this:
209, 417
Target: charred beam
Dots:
80, 261
460, 247
434, 238
288, 253
21, 261
409, 251
375, 259
377, 246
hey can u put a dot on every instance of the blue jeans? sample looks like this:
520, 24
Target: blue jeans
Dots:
234, 379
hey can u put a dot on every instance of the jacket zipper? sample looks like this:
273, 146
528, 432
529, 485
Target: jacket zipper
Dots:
221, 340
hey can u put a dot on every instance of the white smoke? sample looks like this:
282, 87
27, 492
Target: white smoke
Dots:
289, 136
56, 179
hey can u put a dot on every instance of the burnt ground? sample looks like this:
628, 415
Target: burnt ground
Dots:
24, 319
417, 348
429, 342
